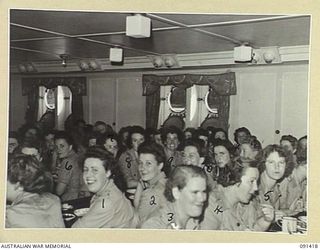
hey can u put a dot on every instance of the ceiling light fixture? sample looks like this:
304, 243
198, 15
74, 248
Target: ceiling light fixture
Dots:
138, 26
27, 68
64, 58
116, 56
164, 61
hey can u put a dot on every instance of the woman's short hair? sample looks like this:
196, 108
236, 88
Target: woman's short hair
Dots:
282, 153
293, 140
198, 144
239, 130
101, 139
26, 170
64, 135
135, 130
154, 149
225, 143
253, 142
179, 178
238, 171
172, 130
108, 162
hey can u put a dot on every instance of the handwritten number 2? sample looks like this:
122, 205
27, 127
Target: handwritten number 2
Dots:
153, 200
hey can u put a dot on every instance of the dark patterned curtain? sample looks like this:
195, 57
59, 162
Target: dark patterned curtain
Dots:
222, 85
30, 87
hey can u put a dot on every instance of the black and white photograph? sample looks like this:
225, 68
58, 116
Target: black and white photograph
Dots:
159, 121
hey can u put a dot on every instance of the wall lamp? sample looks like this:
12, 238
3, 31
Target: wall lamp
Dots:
164, 61
64, 58
89, 65
27, 68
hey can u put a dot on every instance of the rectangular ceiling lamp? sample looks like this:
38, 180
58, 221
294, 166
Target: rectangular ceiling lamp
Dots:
138, 26
116, 56
242, 54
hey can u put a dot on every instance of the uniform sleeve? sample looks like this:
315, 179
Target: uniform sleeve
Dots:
213, 215
99, 215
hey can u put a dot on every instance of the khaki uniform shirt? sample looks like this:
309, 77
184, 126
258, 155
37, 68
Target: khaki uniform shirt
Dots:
152, 197
109, 208
69, 173
129, 166
31, 210
166, 218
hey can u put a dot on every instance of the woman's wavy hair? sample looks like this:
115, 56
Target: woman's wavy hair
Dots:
26, 170
179, 177
108, 162
154, 149
282, 153
135, 130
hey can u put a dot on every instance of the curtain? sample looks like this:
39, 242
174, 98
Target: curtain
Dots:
30, 87
152, 109
223, 86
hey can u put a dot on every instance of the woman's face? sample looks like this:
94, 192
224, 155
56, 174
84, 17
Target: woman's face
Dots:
287, 145
157, 139
136, 139
275, 166
248, 185
221, 156
192, 197
13, 144
220, 135
111, 145
247, 153
94, 174
187, 135
241, 137
172, 141
191, 156
149, 168
63, 148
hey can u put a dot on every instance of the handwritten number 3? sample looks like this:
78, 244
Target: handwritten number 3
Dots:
170, 216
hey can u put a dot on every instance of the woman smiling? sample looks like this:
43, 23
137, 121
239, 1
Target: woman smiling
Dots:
186, 194
109, 207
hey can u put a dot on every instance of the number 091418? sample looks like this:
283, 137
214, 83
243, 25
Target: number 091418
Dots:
308, 245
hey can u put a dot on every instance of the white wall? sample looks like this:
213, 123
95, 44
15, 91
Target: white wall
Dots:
269, 98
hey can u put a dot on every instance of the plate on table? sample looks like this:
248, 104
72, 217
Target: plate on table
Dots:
68, 216
81, 211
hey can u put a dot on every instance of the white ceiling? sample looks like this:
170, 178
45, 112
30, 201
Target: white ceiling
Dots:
38, 36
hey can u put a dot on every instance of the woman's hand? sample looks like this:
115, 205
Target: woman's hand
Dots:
268, 212
279, 214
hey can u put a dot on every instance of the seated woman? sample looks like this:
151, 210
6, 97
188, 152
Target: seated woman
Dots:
129, 160
109, 207
294, 187
232, 208
110, 142
28, 192
149, 193
275, 165
194, 154
186, 194
249, 150
172, 139
223, 156
67, 173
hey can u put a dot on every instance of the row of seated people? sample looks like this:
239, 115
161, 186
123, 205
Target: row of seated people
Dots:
198, 183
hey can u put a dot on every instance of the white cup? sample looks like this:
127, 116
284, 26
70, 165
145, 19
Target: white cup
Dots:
289, 224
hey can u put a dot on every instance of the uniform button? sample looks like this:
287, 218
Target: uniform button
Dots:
238, 224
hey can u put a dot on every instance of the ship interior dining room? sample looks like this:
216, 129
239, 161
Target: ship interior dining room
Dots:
158, 70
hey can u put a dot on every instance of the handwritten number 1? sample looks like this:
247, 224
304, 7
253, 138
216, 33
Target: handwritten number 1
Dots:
103, 203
